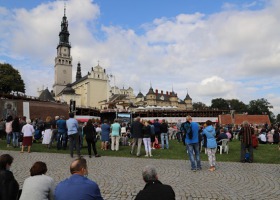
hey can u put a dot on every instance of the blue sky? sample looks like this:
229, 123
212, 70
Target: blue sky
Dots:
212, 48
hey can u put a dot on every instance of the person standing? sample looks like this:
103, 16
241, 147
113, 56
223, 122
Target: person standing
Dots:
90, 133
47, 131
157, 129
38, 185
9, 187
164, 134
192, 142
245, 135
154, 189
27, 131
16, 131
72, 127
78, 186
61, 133
105, 134
147, 139
54, 131
115, 135
137, 135
211, 144
9, 130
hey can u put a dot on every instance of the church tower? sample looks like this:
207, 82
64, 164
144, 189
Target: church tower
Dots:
63, 60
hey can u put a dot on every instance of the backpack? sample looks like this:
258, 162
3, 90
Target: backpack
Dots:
187, 127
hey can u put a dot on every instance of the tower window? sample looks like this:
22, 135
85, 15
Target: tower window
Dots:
69, 62
98, 75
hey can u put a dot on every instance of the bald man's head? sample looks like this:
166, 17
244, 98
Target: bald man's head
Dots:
78, 166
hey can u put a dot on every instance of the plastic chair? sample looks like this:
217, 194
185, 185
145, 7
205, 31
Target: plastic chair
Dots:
224, 146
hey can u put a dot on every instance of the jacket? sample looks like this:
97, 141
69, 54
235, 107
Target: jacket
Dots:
155, 190
210, 134
195, 138
136, 129
8, 186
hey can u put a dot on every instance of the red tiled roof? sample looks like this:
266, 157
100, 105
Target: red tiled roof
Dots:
239, 118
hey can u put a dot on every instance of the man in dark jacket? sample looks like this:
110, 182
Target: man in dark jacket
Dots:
154, 189
137, 135
9, 187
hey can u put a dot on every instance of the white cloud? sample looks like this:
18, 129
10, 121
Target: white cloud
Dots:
229, 54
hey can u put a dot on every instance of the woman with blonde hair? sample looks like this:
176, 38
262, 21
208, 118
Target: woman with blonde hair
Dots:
47, 133
27, 131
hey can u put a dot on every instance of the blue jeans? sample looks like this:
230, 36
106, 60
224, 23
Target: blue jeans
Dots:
15, 139
164, 139
61, 140
9, 138
195, 161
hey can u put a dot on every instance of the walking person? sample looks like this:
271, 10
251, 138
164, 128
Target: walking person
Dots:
28, 131
211, 144
192, 142
90, 134
72, 127
164, 134
137, 135
16, 130
147, 139
115, 135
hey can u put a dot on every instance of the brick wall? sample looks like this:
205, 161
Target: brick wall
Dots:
239, 118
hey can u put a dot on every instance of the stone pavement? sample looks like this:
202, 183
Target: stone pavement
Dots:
120, 178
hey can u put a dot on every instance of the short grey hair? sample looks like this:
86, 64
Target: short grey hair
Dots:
188, 118
149, 173
28, 121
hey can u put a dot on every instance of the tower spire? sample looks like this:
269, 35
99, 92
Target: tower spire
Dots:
79, 73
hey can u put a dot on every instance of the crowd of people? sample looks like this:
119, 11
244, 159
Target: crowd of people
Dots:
155, 134
22, 132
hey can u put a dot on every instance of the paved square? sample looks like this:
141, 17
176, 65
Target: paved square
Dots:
120, 178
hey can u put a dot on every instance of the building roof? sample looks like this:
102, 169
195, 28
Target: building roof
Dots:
151, 91
46, 96
68, 90
188, 97
140, 95
240, 118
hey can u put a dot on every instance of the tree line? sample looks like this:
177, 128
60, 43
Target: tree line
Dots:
255, 107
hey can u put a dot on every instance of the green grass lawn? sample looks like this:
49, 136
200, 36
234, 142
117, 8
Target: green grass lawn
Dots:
265, 153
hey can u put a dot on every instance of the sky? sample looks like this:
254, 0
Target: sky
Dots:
208, 48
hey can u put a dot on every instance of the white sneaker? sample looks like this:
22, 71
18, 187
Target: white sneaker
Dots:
146, 155
151, 155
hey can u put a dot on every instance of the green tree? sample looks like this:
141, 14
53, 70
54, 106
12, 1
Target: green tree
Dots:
259, 107
278, 118
10, 79
238, 106
220, 104
199, 106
